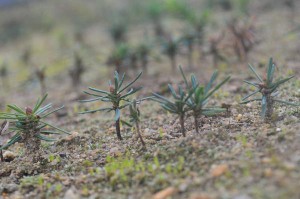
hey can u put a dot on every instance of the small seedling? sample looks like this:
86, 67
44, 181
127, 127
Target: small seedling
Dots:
268, 89
155, 11
118, 56
199, 22
4, 75
115, 97
178, 106
3, 128
188, 40
118, 32
76, 71
41, 75
214, 49
200, 97
243, 37
143, 51
29, 126
135, 119
170, 48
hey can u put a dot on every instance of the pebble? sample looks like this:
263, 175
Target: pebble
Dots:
71, 194
9, 156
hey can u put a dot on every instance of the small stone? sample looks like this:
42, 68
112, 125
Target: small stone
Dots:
71, 194
72, 136
278, 129
199, 196
239, 117
9, 156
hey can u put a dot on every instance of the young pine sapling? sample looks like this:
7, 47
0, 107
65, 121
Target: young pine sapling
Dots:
118, 32
135, 119
188, 40
30, 127
76, 71
170, 47
41, 75
115, 96
118, 56
198, 100
267, 87
178, 106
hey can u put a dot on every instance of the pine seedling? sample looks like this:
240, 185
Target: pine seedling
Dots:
118, 32
135, 119
30, 127
243, 37
143, 51
155, 11
3, 128
170, 47
188, 40
76, 71
41, 76
116, 95
198, 100
214, 49
199, 22
267, 87
118, 55
178, 106
4, 75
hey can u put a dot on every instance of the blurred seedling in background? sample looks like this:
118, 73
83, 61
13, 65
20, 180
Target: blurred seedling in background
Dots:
118, 56
170, 47
4, 75
116, 95
26, 56
200, 97
118, 32
133, 59
243, 38
215, 49
199, 22
135, 119
143, 53
77, 71
178, 106
30, 127
267, 87
188, 39
155, 11
41, 76
225, 4
3, 137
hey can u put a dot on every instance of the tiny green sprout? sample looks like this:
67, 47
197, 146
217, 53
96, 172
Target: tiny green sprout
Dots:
170, 47
29, 125
77, 70
268, 89
198, 100
135, 119
114, 96
178, 106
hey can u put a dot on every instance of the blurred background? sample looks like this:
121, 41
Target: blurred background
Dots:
61, 47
